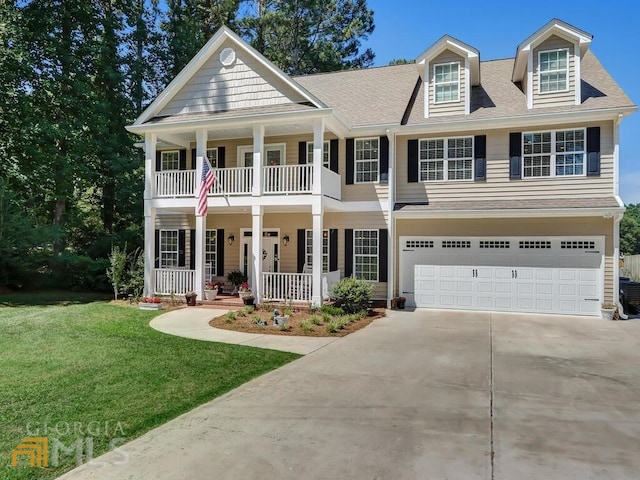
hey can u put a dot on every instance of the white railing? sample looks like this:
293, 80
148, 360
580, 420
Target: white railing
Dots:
286, 179
282, 287
331, 184
232, 181
175, 183
178, 282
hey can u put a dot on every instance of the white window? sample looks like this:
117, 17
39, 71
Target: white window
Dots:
555, 153
365, 254
446, 80
325, 153
210, 254
168, 248
309, 249
367, 160
553, 71
170, 160
274, 154
212, 155
446, 158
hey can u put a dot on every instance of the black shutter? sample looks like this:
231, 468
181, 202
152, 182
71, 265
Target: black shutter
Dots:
593, 151
384, 159
333, 249
158, 161
183, 160
383, 254
156, 252
333, 155
221, 153
348, 252
301, 249
480, 157
302, 153
181, 247
350, 161
193, 158
515, 156
220, 250
192, 249
412, 160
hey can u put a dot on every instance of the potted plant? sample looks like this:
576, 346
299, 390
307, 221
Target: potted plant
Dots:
219, 286
248, 299
150, 303
210, 291
236, 277
191, 298
244, 290
608, 311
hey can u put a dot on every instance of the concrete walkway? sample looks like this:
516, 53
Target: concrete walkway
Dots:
194, 323
418, 395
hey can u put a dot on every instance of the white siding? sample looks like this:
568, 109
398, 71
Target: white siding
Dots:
559, 98
449, 108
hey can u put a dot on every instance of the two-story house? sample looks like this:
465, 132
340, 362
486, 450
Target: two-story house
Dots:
452, 182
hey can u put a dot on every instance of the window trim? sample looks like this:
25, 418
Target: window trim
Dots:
376, 255
214, 164
436, 84
161, 251
553, 153
325, 236
446, 159
213, 268
356, 161
162, 153
282, 147
540, 72
326, 152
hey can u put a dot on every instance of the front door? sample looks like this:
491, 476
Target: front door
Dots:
270, 252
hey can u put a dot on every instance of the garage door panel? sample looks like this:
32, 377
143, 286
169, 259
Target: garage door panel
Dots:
531, 274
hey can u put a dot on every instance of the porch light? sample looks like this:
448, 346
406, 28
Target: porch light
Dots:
231, 238
285, 240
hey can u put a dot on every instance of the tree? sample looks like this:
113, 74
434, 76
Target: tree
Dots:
401, 61
630, 231
309, 36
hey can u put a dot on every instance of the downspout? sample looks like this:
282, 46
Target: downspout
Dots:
618, 217
391, 275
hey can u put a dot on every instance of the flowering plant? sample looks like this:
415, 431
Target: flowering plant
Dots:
210, 286
151, 300
218, 284
244, 287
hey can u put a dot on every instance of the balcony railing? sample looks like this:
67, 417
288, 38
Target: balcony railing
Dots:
174, 281
276, 180
287, 179
175, 183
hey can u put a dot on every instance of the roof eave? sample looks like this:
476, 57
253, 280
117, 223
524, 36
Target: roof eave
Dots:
510, 213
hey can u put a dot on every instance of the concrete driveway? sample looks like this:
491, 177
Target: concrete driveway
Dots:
420, 395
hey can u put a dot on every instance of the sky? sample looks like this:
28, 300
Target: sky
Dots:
405, 28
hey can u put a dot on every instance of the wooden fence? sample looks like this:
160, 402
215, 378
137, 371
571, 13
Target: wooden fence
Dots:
630, 267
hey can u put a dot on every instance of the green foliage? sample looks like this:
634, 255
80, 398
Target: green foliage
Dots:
117, 268
231, 316
332, 326
135, 280
331, 310
353, 294
316, 320
630, 231
256, 319
236, 277
306, 326
284, 327
401, 61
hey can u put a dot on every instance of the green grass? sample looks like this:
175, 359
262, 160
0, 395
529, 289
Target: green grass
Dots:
81, 361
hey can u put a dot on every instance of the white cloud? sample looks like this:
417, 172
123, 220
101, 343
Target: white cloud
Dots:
630, 187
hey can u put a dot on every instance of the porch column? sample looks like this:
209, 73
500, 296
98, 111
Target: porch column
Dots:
391, 224
150, 140
256, 252
258, 153
316, 273
201, 220
318, 142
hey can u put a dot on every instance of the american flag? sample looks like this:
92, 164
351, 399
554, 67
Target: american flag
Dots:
207, 181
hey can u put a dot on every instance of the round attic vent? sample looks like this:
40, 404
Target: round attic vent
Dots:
227, 57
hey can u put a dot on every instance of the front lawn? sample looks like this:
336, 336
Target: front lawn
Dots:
93, 372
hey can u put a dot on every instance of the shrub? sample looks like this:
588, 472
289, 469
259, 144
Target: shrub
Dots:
231, 316
316, 320
332, 310
256, 319
353, 294
306, 326
285, 327
331, 327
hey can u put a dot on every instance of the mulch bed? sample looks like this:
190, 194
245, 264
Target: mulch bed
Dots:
245, 323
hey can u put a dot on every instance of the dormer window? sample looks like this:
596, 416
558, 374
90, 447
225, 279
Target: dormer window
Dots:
447, 82
554, 71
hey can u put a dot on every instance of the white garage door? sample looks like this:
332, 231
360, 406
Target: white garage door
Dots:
543, 274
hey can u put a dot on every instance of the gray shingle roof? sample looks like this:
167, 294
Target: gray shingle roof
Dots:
381, 95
